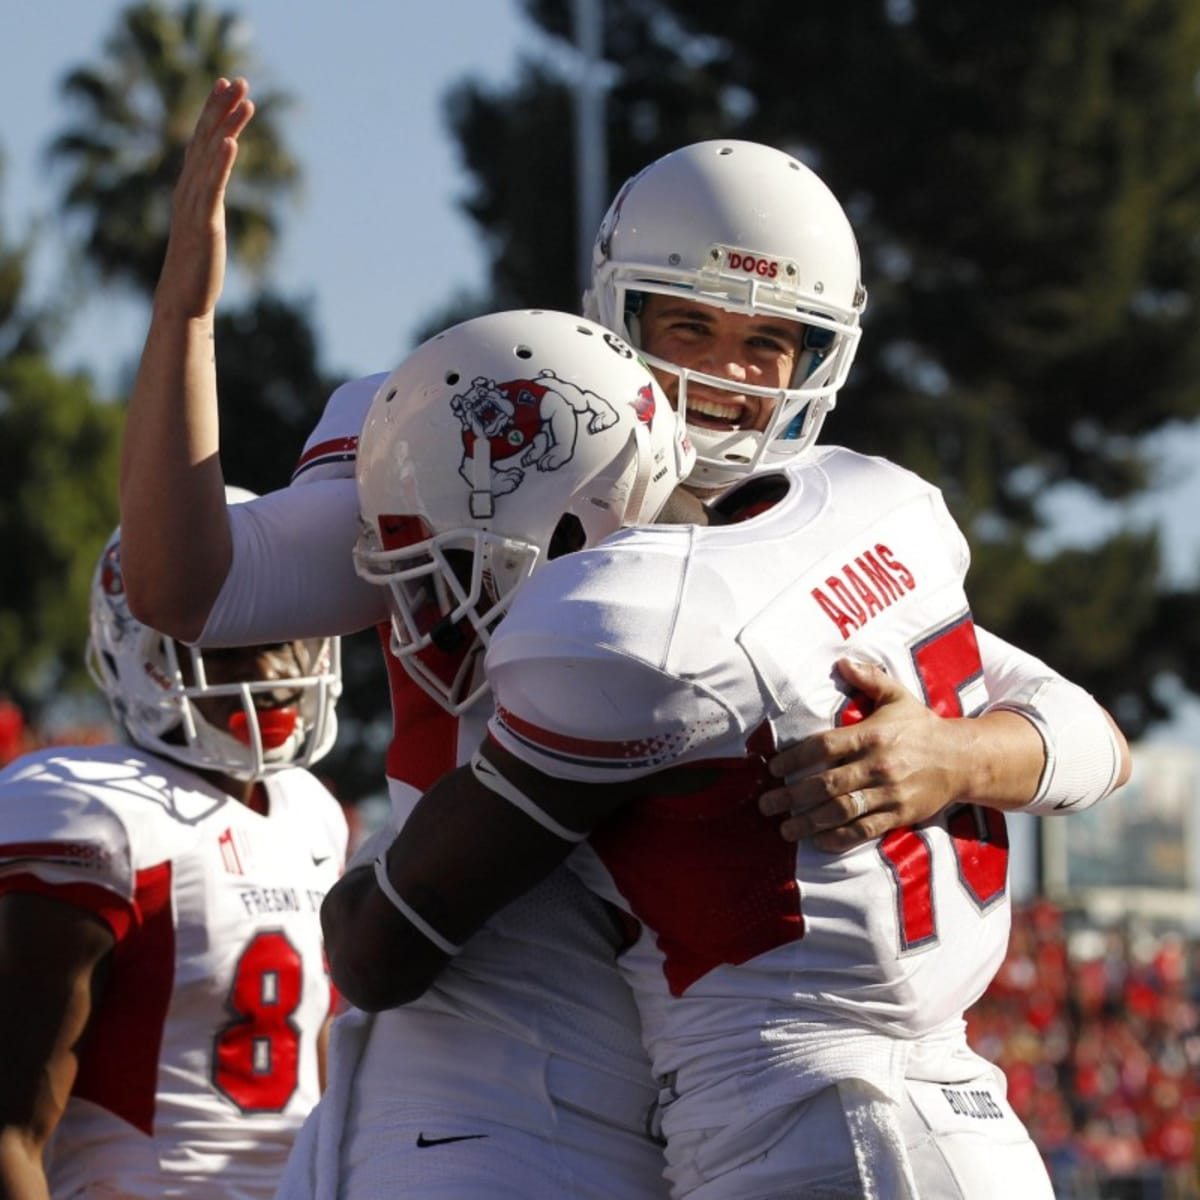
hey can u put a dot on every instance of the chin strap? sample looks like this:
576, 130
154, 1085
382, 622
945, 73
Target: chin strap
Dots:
644, 469
483, 502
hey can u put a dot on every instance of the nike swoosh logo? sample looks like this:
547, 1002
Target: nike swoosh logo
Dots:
423, 1141
318, 859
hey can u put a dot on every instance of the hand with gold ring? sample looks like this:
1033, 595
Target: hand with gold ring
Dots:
899, 765
859, 803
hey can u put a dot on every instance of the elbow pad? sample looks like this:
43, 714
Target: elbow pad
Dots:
1083, 757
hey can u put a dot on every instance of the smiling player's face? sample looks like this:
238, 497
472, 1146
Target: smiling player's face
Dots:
755, 350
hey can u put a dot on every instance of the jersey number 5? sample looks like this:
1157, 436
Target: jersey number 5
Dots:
946, 662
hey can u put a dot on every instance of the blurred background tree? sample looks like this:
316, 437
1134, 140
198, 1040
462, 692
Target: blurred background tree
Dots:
58, 461
1023, 180
135, 111
120, 154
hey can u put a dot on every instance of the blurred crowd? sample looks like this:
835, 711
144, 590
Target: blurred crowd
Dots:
1098, 1031
18, 736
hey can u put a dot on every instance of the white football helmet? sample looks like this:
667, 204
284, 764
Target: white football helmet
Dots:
474, 452
153, 683
748, 229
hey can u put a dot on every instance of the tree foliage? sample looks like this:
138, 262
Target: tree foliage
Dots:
1024, 182
136, 108
58, 460
58, 464
22, 330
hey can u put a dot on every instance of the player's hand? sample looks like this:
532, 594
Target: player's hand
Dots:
194, 268
895, 767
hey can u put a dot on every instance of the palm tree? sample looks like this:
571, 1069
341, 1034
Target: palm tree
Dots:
137, 110
21, 329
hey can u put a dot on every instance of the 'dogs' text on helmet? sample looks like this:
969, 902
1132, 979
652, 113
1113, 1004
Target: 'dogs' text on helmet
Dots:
156, 685
748, 229
489, 440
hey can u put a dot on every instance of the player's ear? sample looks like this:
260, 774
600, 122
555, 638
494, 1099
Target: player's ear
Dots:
568, 536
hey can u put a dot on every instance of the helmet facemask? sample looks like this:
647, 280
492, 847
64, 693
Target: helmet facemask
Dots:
276, 723
158, 690
746, 229
827, 349
476, 450
446, 593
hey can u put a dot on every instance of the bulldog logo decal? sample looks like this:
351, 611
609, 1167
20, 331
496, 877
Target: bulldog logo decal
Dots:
526, 423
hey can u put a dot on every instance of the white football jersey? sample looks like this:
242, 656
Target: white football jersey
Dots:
541, 973
765, 970
536, 1001
201, 1060
332, 447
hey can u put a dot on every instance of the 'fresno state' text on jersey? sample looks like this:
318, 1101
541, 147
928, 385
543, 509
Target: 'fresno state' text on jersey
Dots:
697, 651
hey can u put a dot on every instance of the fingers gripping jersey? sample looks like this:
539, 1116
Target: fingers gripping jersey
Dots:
201, 1061
695, 652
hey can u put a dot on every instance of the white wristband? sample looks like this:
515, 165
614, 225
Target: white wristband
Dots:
1083, 757
409, 913
495, 782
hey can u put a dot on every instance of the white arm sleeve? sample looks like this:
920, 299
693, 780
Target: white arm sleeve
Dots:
628, 720
1083, 757
332, 447
292, 574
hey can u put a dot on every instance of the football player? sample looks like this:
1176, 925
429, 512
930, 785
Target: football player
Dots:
162, 978
803, 1010
233, 587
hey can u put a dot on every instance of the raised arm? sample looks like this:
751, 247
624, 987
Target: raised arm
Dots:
176, 547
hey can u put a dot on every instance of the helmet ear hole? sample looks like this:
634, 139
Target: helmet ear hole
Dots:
567, 537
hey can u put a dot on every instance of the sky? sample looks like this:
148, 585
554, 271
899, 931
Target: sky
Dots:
377, 242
